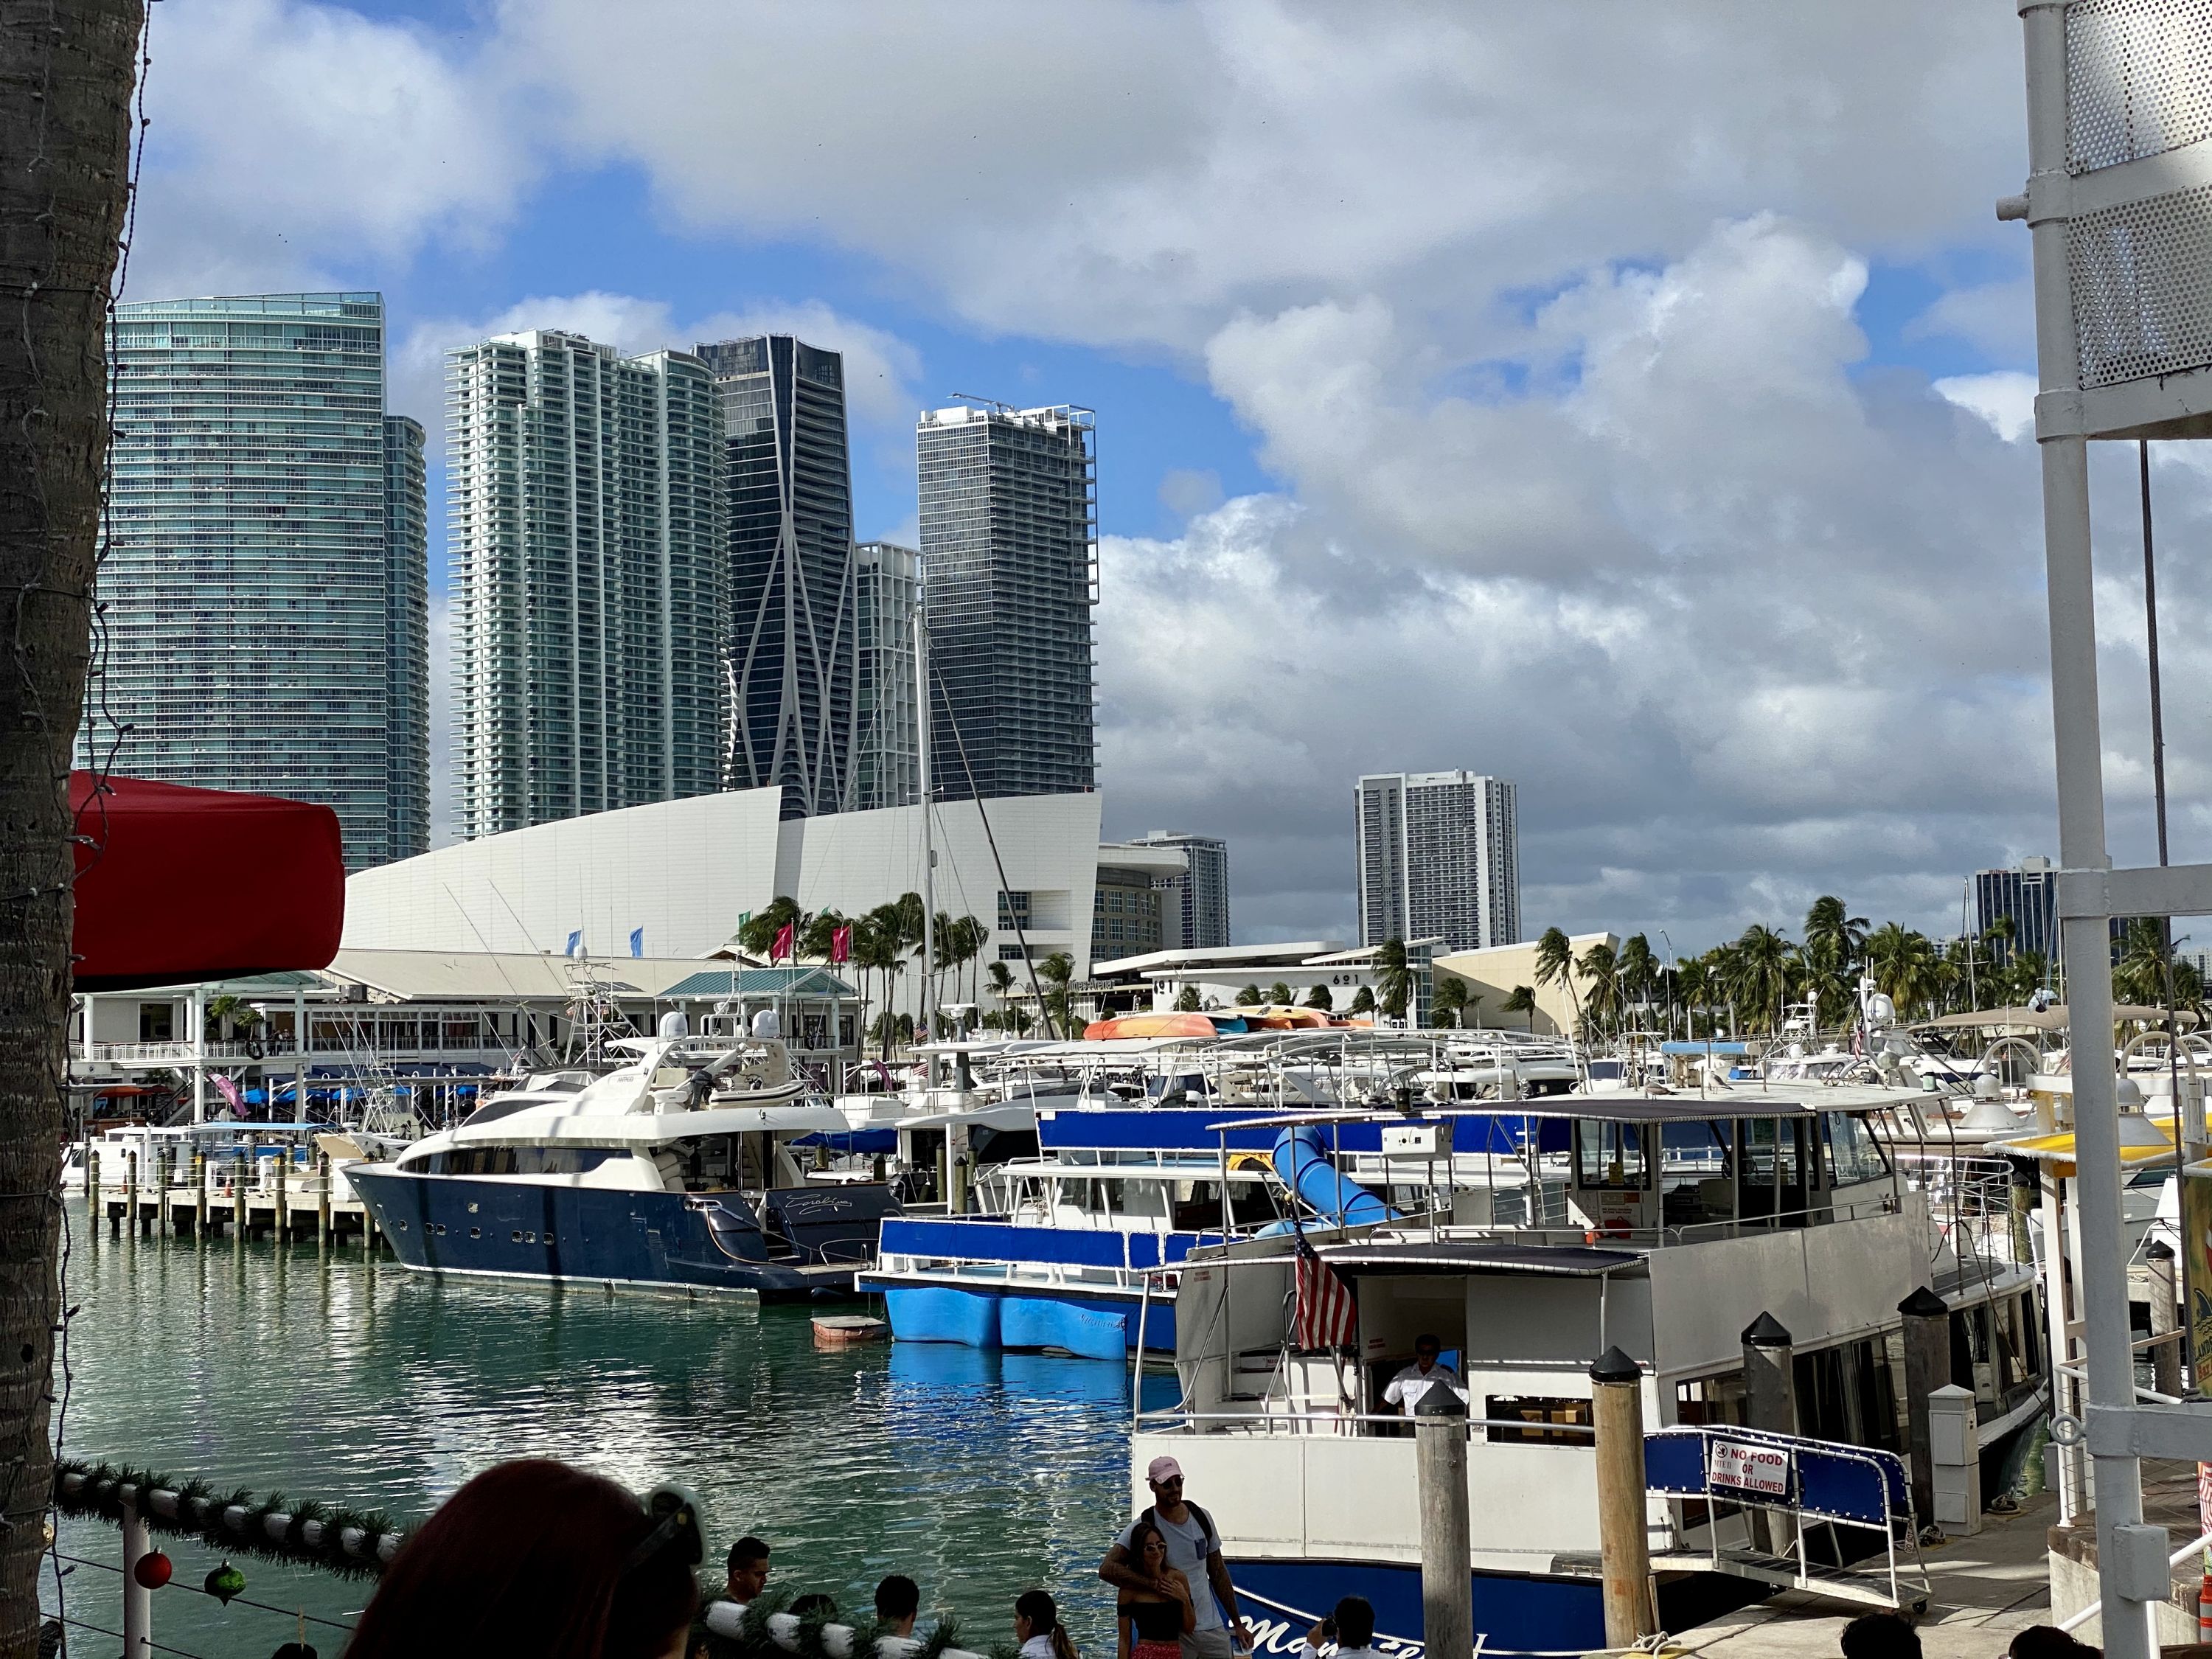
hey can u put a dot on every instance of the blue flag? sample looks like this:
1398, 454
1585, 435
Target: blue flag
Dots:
637, 941
575, 943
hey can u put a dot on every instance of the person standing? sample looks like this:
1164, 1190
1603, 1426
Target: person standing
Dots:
1193, 1549
1426, 1372
1150, 1624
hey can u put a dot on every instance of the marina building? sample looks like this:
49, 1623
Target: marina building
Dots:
791, 635
1009, 538
263, 581
676, 878
1129, 910
1316, 973
1440, 855
1492, 975
886, 751
1194, 900
585, 520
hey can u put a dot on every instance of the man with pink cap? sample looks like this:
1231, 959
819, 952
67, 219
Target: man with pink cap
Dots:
1194, 1547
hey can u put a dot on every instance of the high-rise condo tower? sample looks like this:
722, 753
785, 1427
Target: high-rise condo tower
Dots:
1010, 542
585, 518
263, 581
886, 749
1439, 857
791, 639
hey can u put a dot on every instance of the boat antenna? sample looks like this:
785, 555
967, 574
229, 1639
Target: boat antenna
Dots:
977, 795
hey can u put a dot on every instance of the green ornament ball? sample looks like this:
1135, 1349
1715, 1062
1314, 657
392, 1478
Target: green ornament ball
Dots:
225, 1582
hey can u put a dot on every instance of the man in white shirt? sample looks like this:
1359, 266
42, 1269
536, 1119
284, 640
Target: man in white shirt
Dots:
1351, 1627
1426, 1372
1193, 1548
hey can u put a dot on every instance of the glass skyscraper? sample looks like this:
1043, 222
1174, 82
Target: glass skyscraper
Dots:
585, 524
1439, 857
263, 581
791, 646
1010, 539
887, 745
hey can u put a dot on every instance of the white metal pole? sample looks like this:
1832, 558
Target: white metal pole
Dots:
299, 1054
137, 1601
198, 1017
2101, 1285
928, 846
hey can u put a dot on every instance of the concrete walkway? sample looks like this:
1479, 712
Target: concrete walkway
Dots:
1985, 1587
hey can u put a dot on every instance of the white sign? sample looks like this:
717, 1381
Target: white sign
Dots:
1745, 1466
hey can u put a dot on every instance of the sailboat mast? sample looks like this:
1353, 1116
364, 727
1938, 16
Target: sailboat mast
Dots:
928, 847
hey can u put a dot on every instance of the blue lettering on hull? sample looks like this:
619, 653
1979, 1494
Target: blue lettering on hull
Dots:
1512, 1613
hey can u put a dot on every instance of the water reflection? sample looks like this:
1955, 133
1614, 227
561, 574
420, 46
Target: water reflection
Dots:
977, 1473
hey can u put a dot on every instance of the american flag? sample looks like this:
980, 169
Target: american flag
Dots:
1328, 1316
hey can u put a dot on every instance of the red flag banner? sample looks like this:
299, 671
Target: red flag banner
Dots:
780, 950
841, 945
1328, 1315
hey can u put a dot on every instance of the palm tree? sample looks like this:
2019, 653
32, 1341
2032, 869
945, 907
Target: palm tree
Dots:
1639, 973
1760, 973
1903, 964
879, 943
1320, 998
1187, 1002
1249, 996
1363, 1002
1280, 995
1833, 935
1692, 982
2140, 975
758, 932
1447, 999
1600, 968
1057, 969
1001, 978
228, 1010
1555, 965
1394, 981
1522, 1000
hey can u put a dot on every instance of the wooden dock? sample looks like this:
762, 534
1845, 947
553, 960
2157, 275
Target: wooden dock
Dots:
298, 1207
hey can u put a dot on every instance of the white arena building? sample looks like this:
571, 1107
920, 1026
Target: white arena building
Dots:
682, 874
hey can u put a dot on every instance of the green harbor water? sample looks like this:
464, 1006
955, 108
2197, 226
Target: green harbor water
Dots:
357, 1383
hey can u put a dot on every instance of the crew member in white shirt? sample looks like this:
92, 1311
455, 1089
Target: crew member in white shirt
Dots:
1351, 1627
1426, 1372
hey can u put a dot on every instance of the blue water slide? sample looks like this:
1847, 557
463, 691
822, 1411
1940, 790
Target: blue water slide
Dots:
1302, 1162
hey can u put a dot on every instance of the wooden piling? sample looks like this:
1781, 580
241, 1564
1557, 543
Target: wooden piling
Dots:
323, 1200
200, 1207
92, 1178
1440, 1457
1927, 1337
1770, 1402
1624, 1543
131, 1191
283, 1195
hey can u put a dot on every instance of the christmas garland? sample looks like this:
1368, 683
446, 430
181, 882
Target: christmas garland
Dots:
355, 1543
754, 1636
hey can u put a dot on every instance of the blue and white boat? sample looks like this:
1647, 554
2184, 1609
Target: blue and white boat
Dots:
674, 1171
1685, 1220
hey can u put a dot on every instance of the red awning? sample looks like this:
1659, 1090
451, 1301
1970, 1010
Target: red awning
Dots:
176, 886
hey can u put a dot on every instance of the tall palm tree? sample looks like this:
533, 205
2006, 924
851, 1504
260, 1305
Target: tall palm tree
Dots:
1555, 965
1693, 983
1057, 970
1639, 973
1280, 995
1001, 978
1319, 997
1761, 973
1599, 968
1522, 1000
1250, 997
1447, 1000
1393, 980
1834, 939
1903, 964
1363, 1002
758, 932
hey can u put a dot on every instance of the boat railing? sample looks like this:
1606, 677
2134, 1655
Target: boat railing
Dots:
1174, 1419
1692, 1232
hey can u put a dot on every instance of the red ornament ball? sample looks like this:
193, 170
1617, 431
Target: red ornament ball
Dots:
153, 1569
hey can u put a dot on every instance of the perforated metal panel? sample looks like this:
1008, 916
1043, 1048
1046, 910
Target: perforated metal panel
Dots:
2138, 79
2143, 304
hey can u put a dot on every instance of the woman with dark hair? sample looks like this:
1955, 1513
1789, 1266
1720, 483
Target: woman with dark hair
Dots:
1162, 1615
1037, 1627
538, 1557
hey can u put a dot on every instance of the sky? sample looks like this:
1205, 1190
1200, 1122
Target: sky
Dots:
1632, 402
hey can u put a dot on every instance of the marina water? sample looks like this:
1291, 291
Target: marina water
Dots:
351, 1380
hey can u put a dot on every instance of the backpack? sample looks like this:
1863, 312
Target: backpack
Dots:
1209, 1534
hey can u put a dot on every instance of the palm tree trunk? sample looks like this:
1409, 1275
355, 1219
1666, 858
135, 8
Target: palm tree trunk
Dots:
66, 74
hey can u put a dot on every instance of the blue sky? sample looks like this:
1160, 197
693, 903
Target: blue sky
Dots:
1632, 411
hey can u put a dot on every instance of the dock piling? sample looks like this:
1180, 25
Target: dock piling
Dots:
1624, 1543
2165, 1317
283, 1195
1927, 1368
1770, 1402
92, 1178
131, 1191
323, 1202
1440, 1455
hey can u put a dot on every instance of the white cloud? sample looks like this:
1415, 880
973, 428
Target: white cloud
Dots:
2004, 397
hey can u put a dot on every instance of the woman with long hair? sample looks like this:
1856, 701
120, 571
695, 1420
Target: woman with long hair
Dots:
1037, 1627
1150, 1624
538, 1557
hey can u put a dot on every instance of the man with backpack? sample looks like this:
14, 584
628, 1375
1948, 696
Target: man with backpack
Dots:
1194, 1547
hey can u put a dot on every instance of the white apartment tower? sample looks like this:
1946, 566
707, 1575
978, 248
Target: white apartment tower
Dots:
1439, 857
588, 579
887, 735
1194, 913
